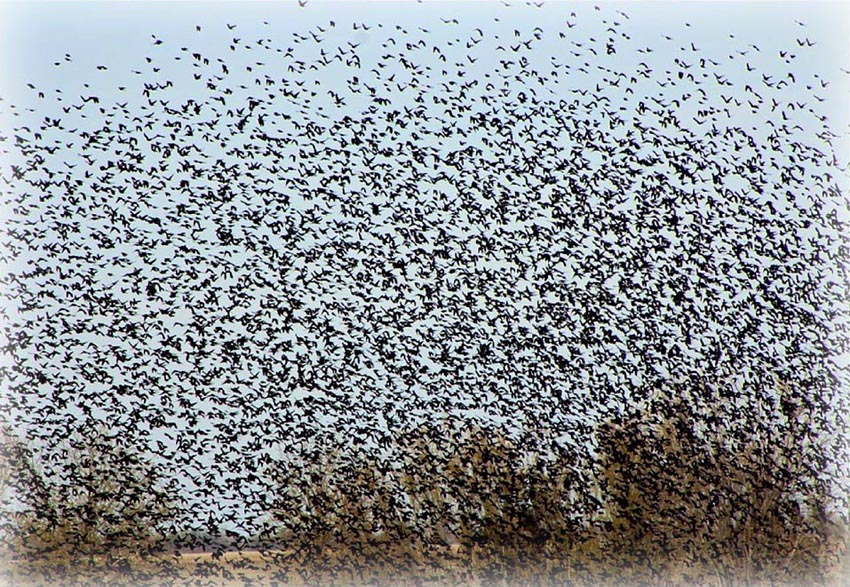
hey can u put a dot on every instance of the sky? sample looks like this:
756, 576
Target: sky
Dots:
55, 55
67, 44
118, 34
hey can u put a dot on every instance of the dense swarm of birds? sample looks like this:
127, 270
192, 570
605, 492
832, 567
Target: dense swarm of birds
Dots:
102, 496
284, 239
714, 483
452, 482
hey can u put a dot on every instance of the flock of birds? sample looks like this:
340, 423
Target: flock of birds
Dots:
280, 237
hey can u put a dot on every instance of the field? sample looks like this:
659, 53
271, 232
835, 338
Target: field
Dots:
391, 564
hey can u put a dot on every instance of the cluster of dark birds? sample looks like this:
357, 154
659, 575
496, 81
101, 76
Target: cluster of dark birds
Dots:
282, 238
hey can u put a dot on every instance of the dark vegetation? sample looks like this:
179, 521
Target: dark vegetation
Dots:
687, 488
691, 481
93, 501
686, 492
449, 482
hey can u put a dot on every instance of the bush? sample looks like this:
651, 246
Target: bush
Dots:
452, 482
327, 492
474, 484
464, 483
92, 494
702, 473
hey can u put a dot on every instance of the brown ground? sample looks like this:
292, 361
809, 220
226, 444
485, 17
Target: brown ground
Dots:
388, 566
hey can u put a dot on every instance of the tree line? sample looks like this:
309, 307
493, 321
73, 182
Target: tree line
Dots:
696, 473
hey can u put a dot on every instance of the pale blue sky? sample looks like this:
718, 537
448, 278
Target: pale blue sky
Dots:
118, 35
36, 34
